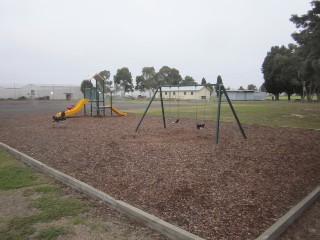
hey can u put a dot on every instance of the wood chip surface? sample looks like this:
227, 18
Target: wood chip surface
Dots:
233, 190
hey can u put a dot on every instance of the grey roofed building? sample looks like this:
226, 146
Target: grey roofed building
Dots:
36, 91
246, 95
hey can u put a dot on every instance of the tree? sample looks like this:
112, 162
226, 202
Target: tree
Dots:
208, 85
168, 76
147, 81
241, 88
188, 81
85, 84
219, 81
149, 74
252, 87
280, 69
263, 88
140, 84
309, 47
123, 78
271, 73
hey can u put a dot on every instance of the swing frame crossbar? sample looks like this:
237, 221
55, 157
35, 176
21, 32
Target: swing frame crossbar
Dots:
220, 90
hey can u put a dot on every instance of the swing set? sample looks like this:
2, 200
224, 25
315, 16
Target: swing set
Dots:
171, 99
200, 124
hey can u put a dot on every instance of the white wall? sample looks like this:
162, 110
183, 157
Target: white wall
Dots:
246, 95
33, 91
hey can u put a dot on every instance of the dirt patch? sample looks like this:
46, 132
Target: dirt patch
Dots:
234, 190
13, 203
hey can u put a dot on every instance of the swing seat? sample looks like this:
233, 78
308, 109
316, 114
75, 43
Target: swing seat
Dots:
172, 121
200, 126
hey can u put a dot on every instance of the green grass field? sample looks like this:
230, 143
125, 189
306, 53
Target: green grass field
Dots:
36, 207
275, 113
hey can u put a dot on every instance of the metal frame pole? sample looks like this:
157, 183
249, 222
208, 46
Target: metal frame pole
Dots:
163, 116
97, 99
111, 102
84, 107
103, 100
216, 136
234, 113
145, 112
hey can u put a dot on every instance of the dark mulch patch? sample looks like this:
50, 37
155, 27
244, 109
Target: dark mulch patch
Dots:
234, 190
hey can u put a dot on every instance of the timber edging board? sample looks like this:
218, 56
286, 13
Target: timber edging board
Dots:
293, 214
134, 213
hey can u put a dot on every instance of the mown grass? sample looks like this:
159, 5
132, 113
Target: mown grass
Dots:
14, 175
274, 113
51, 233
50, 202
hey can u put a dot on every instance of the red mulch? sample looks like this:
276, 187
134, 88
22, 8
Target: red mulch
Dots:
234, 190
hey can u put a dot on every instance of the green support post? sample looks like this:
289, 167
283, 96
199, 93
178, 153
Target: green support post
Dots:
216, 136
111, 102
163, 116
234, 113
103, 100
145, 112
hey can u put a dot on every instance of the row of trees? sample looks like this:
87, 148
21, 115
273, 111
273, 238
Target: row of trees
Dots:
250, 87
149, 79
296, 68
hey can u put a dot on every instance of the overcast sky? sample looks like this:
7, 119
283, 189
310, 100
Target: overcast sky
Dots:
63, 41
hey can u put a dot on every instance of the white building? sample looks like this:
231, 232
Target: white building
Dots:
185, 92
246, 95
34, 91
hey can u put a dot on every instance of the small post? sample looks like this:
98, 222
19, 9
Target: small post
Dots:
84, 107
216, 136
163, 117
145, 112
111, 101
103, 100
97, 99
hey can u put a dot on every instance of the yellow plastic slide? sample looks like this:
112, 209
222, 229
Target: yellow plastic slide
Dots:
76, 108
116, 110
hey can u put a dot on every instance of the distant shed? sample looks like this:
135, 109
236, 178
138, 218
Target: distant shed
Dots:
38, 91
246, 95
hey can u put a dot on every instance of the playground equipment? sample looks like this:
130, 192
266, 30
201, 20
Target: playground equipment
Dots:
172, 100
62, 117
75, 109
96, 96
200, 125
116, 110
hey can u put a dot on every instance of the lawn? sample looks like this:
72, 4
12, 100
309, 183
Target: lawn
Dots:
273, 113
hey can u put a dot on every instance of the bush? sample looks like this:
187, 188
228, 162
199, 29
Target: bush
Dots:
22, 98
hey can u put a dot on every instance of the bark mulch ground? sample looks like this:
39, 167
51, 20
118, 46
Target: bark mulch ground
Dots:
234, 190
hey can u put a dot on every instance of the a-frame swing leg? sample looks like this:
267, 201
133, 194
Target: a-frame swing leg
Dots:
145, 112
162, 109
234, 113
